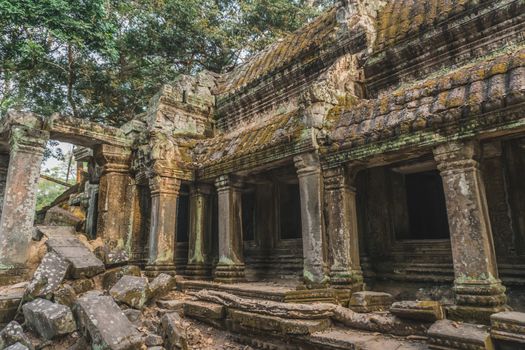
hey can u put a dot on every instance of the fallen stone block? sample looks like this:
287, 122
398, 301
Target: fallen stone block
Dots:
446, 334
65, 295
17, 346
508, 330
109, 278
102, 322
173, 332
53, 231
10, 298
132, 291
250, 322
133, 316
428, 310
48, 276
57, 216
210, 313
171, 305
14, 333
161, 285
111, 256
80, 286
48, 319
370, 301
83, 262
157, 348
153, 340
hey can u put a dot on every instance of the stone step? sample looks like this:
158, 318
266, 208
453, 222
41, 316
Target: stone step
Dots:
450, 335
508, 330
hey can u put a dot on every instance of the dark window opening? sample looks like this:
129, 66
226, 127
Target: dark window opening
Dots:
290, 211
183, 217
427, 210
248, 216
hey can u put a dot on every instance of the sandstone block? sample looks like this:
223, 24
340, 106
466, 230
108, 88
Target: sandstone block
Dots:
111, 256
60, 217
102, 322
53, 231
427, 310
161, 285
508, 329
65, 295
173, 332
132, 291
172, 305
80, 286
153, 340
10, 298
446, 334
83, 262
112, 276
48, 276
17, 346
205, 312
48, 319
14, 333
370, 301
133, 316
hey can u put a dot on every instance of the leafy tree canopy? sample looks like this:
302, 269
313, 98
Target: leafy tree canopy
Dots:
103, 59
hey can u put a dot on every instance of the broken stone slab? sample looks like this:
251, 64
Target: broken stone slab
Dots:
111, 257
133, 316
102, 322
80, 286
57, 216
153, 340
427, 310
508, 329
14, 333
132, 291
48, 276
83, 262
173, 332
53, 231
111, 276
48, 319
161, 285
65, 295
446, 334
368, 301
267, 307
379, 322
210, 313
243, 321
17, 346
10, 298
171, 305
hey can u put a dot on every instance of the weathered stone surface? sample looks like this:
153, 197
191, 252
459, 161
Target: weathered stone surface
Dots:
133, 316
48, 276
17, 346
82, 285
57, 216
172, 305
248, 321
446, 334
112, 276
65, 295
370, 301
427, 310
111, 256
14, 333
508, 328
102, 322
206, 312
131, 290
382, 323
83, 262
48, 319
10, 298
271, 308
53, 231
173, 332
161, 285
153, 340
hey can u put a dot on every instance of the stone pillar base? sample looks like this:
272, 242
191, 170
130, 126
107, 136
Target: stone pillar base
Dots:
198, 272
155, 270
229, 273
347, 280
474, 314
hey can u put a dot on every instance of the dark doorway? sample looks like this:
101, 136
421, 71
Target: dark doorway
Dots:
290, 211
427, 210
183, 216
248, 216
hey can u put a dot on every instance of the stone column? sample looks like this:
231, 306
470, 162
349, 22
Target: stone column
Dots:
311, 192
113, 209
163, 229
4, 167
478, 289
19, 202
199, 266
231, 260
341, 224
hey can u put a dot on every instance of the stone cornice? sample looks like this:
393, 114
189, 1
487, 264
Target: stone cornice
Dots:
28, 140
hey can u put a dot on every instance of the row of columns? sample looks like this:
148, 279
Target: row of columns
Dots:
329, 257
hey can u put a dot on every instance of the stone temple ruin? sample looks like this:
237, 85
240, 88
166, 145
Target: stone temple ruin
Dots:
357, 180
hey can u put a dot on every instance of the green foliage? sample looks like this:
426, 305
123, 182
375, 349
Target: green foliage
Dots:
103, 59
48, 191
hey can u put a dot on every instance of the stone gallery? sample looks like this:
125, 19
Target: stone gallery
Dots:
355, 183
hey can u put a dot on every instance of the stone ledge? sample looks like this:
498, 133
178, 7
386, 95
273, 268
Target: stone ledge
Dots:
446, 334
508, 327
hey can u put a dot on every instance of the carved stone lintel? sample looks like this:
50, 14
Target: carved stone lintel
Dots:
476, 276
